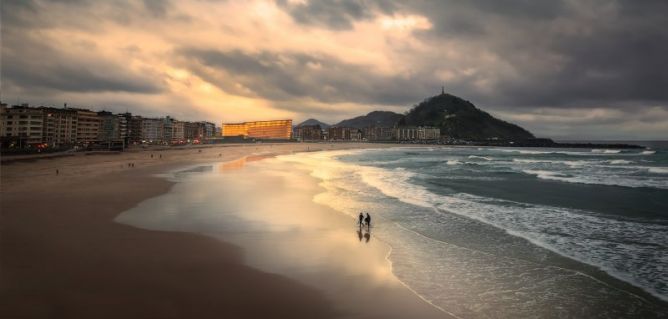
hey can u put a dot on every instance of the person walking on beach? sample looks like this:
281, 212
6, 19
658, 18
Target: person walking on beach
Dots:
368, 221
361, 221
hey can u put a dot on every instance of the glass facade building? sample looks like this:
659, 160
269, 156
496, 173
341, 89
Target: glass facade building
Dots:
276, 129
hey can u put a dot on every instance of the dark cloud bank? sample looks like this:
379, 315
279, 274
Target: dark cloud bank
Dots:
567, 53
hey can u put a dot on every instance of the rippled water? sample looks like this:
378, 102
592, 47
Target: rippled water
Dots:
499, 232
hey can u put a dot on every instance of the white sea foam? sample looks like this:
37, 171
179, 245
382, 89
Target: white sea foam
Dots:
453, 162
602, 179
593, 152
546, 174
619, 162
579, 235
658, 170
547, 161
605, 151
486, 158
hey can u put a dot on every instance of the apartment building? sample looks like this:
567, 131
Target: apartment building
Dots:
88, 126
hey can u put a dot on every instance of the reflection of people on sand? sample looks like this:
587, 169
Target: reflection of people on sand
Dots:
361, 222
363, 233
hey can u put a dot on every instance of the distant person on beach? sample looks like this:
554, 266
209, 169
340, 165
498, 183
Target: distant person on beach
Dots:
368, 221
361, 219
57, 171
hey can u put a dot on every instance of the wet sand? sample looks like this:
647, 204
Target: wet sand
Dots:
63, 256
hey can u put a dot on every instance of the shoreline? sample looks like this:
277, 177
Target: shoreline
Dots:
11, 158
77, 262
312, 244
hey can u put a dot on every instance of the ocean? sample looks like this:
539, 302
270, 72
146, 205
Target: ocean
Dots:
503, 232
479, 232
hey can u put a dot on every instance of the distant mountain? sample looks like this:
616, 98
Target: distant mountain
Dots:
459, 118
314, 122
375, 118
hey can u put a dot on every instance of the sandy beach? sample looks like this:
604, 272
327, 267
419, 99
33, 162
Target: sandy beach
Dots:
63, 256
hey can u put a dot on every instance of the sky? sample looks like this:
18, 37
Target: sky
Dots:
571, 69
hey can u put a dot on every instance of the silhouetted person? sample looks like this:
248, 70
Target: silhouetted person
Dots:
151, 155
361, 220
161, 156
57, 171
368, 221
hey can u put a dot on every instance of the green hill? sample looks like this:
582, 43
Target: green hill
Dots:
458, 118
314, 122
375, 118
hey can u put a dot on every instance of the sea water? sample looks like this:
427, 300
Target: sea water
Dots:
513, 232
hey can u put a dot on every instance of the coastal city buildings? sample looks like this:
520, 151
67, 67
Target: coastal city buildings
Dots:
60, 126
88, 126
135, 131
417, 133
23, 126
309, 133
178, 131
109, 129
339, 133
380, 133
275, 129
151, 130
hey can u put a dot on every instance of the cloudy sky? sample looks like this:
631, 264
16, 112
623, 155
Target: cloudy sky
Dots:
563, 69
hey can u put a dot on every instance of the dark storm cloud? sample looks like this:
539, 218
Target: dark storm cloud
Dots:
285, 76
157, 8
31, 61
336, 14
562, 53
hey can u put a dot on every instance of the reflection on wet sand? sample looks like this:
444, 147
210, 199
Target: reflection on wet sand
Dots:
366, 234
270, 213
240, 163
